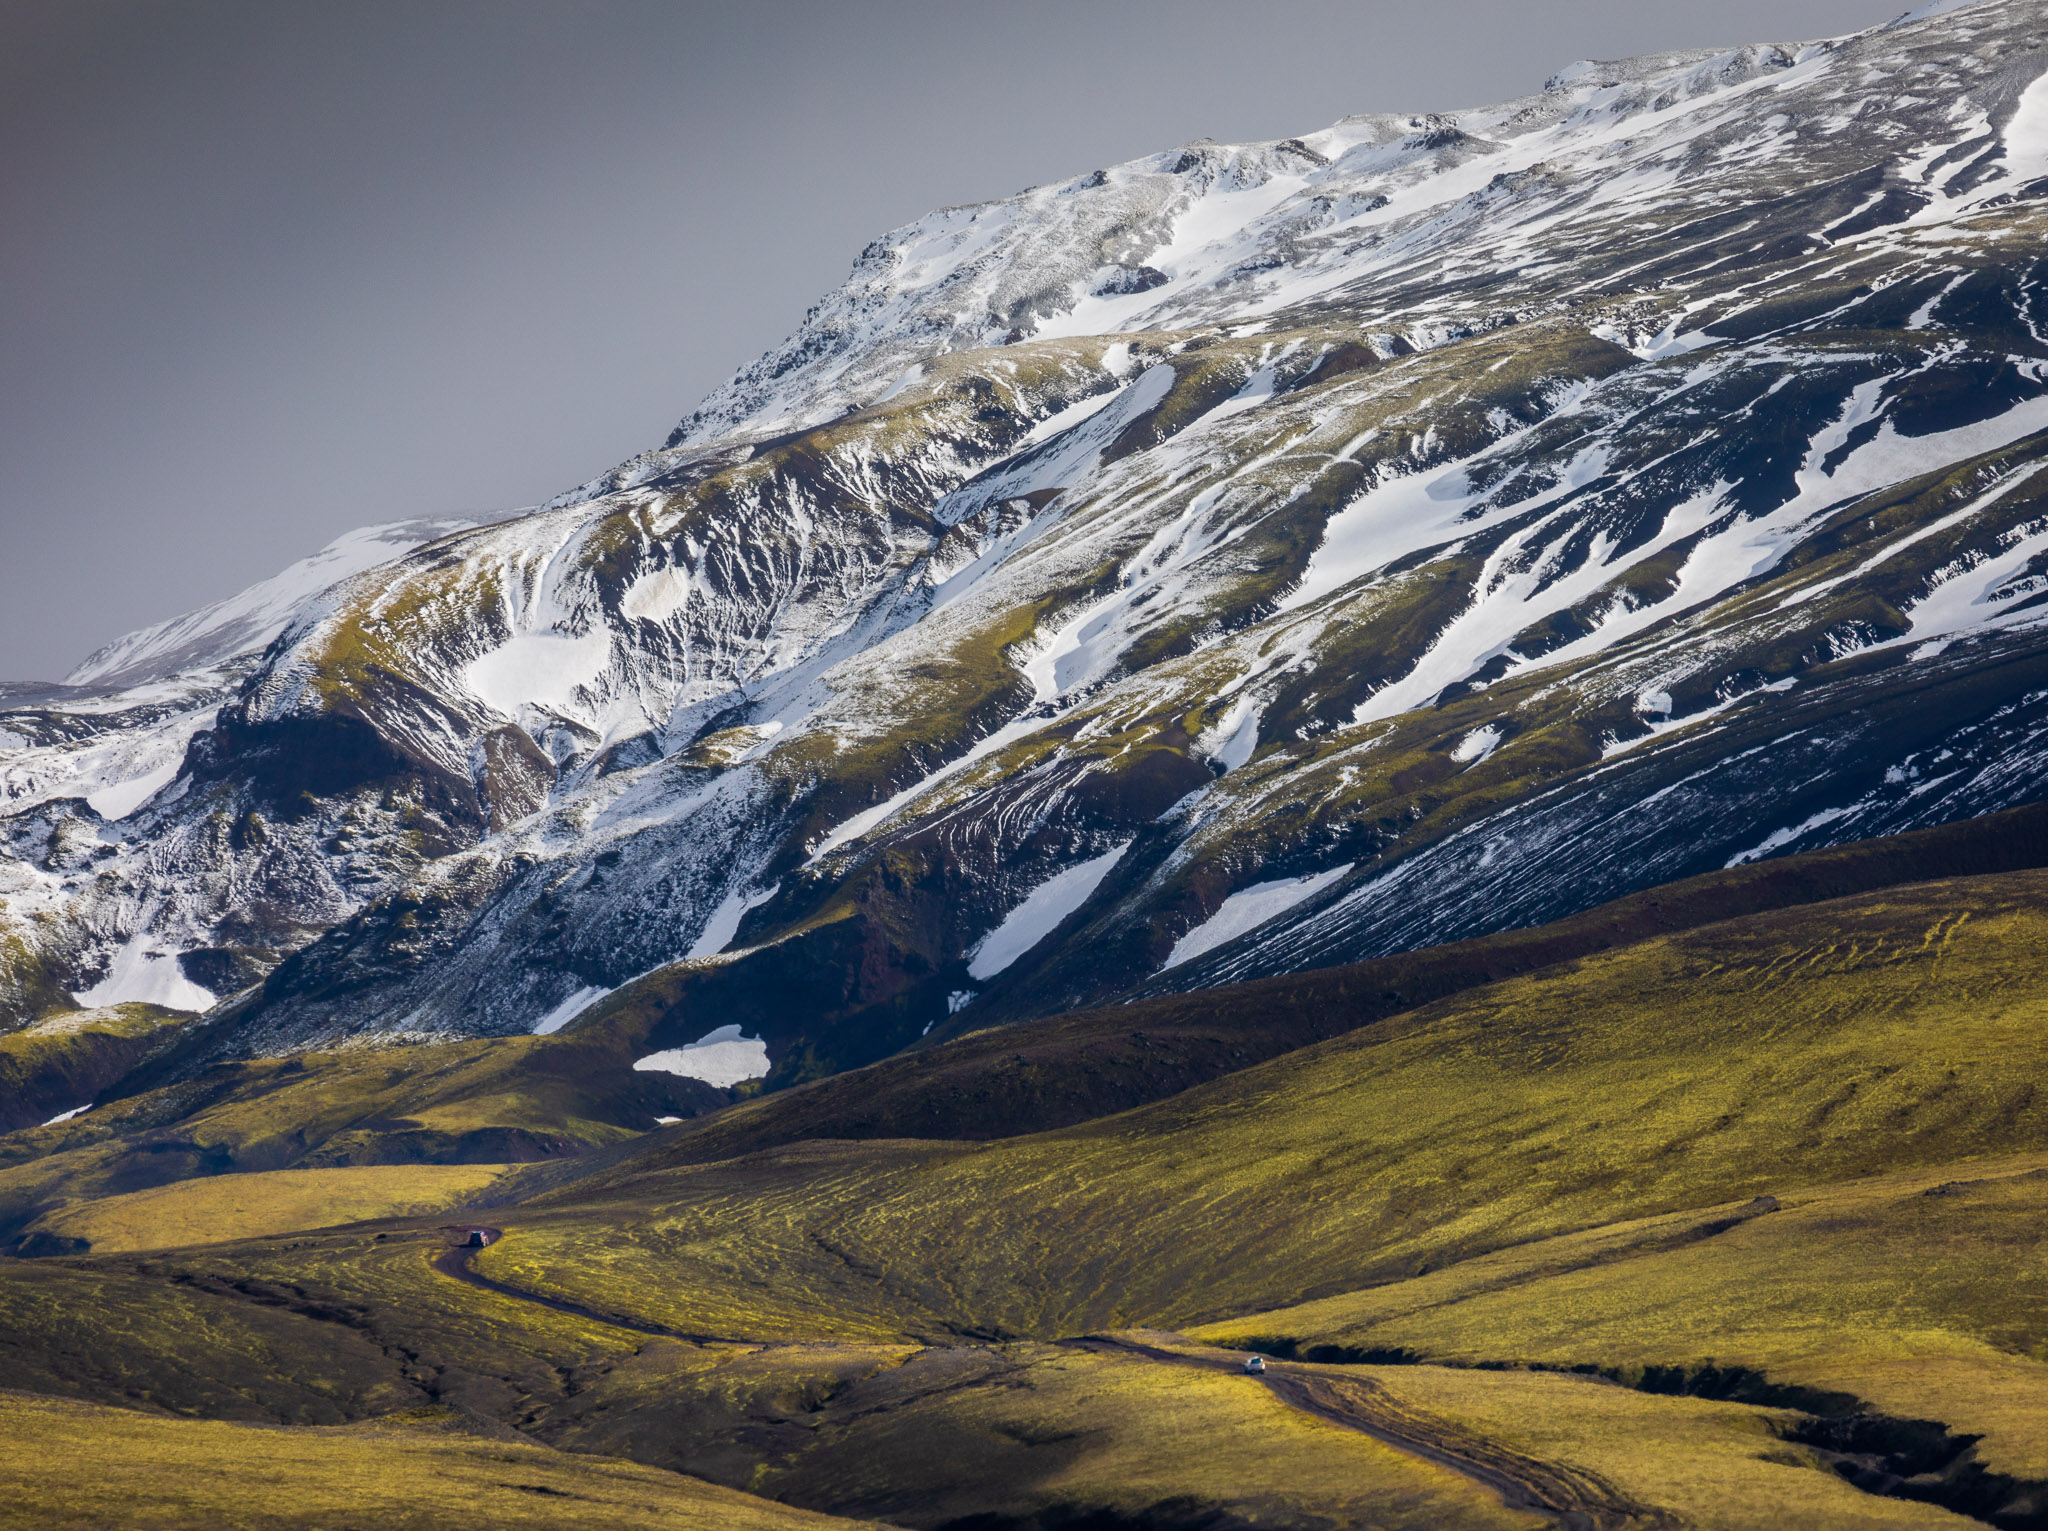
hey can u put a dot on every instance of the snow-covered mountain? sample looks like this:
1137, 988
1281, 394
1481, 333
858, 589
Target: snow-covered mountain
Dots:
1250, 557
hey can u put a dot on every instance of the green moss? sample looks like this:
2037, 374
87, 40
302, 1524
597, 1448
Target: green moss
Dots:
77, 1465
460, 1103
1552, 1170
1541, 1106
70, 1056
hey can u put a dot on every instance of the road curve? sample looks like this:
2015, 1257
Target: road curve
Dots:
1576, 1500
454, 1263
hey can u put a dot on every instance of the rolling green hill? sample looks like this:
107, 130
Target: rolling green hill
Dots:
1791, 1164
78, 1465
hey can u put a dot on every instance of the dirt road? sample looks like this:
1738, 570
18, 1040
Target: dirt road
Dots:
454, 1263
1574, 1499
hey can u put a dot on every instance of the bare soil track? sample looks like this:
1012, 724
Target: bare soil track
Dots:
454, 1263
1576, 1500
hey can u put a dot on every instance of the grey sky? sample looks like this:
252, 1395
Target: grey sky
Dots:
272, 270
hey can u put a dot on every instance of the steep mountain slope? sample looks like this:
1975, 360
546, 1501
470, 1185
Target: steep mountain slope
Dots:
1248, 558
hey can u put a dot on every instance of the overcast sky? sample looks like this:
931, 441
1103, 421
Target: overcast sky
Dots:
272, 270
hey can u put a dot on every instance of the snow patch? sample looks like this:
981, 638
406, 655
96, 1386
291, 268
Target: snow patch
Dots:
1247, 909
1778, 838
2026, 136
658, 596
724, 1058
1040, 914
907, 381
65, 1116
1258, 389
116, 772
1668, 341
144, 976
568, 1010
124, 797
1061, 421
1230, 743
724, 923
1057, 453
1403, 515
543, 669
1477, 745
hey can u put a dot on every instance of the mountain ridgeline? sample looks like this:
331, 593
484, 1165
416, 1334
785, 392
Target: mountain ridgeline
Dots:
1248, 559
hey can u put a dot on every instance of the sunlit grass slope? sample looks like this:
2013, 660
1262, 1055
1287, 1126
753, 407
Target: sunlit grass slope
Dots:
227, 1207
458, 1103
1921, 1294
1016, 1432
66, 1464
1029, 1432
311, 1329
68, 1057
1599, 1454
1712, 1465
1562, 1169
1897, 1029
918, 1435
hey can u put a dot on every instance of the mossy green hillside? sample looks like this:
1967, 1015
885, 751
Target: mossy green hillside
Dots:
465, 1103
221, 1208
922, 1435
1602, 1122
1917, 1292
1827, 1042
1014, 1435
65, 1060
76, 1465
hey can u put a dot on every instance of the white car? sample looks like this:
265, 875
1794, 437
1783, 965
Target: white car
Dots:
1256, 1365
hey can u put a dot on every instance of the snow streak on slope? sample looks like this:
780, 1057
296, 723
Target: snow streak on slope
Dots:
723, 1057
143, 975
1039, 914
1247, 909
